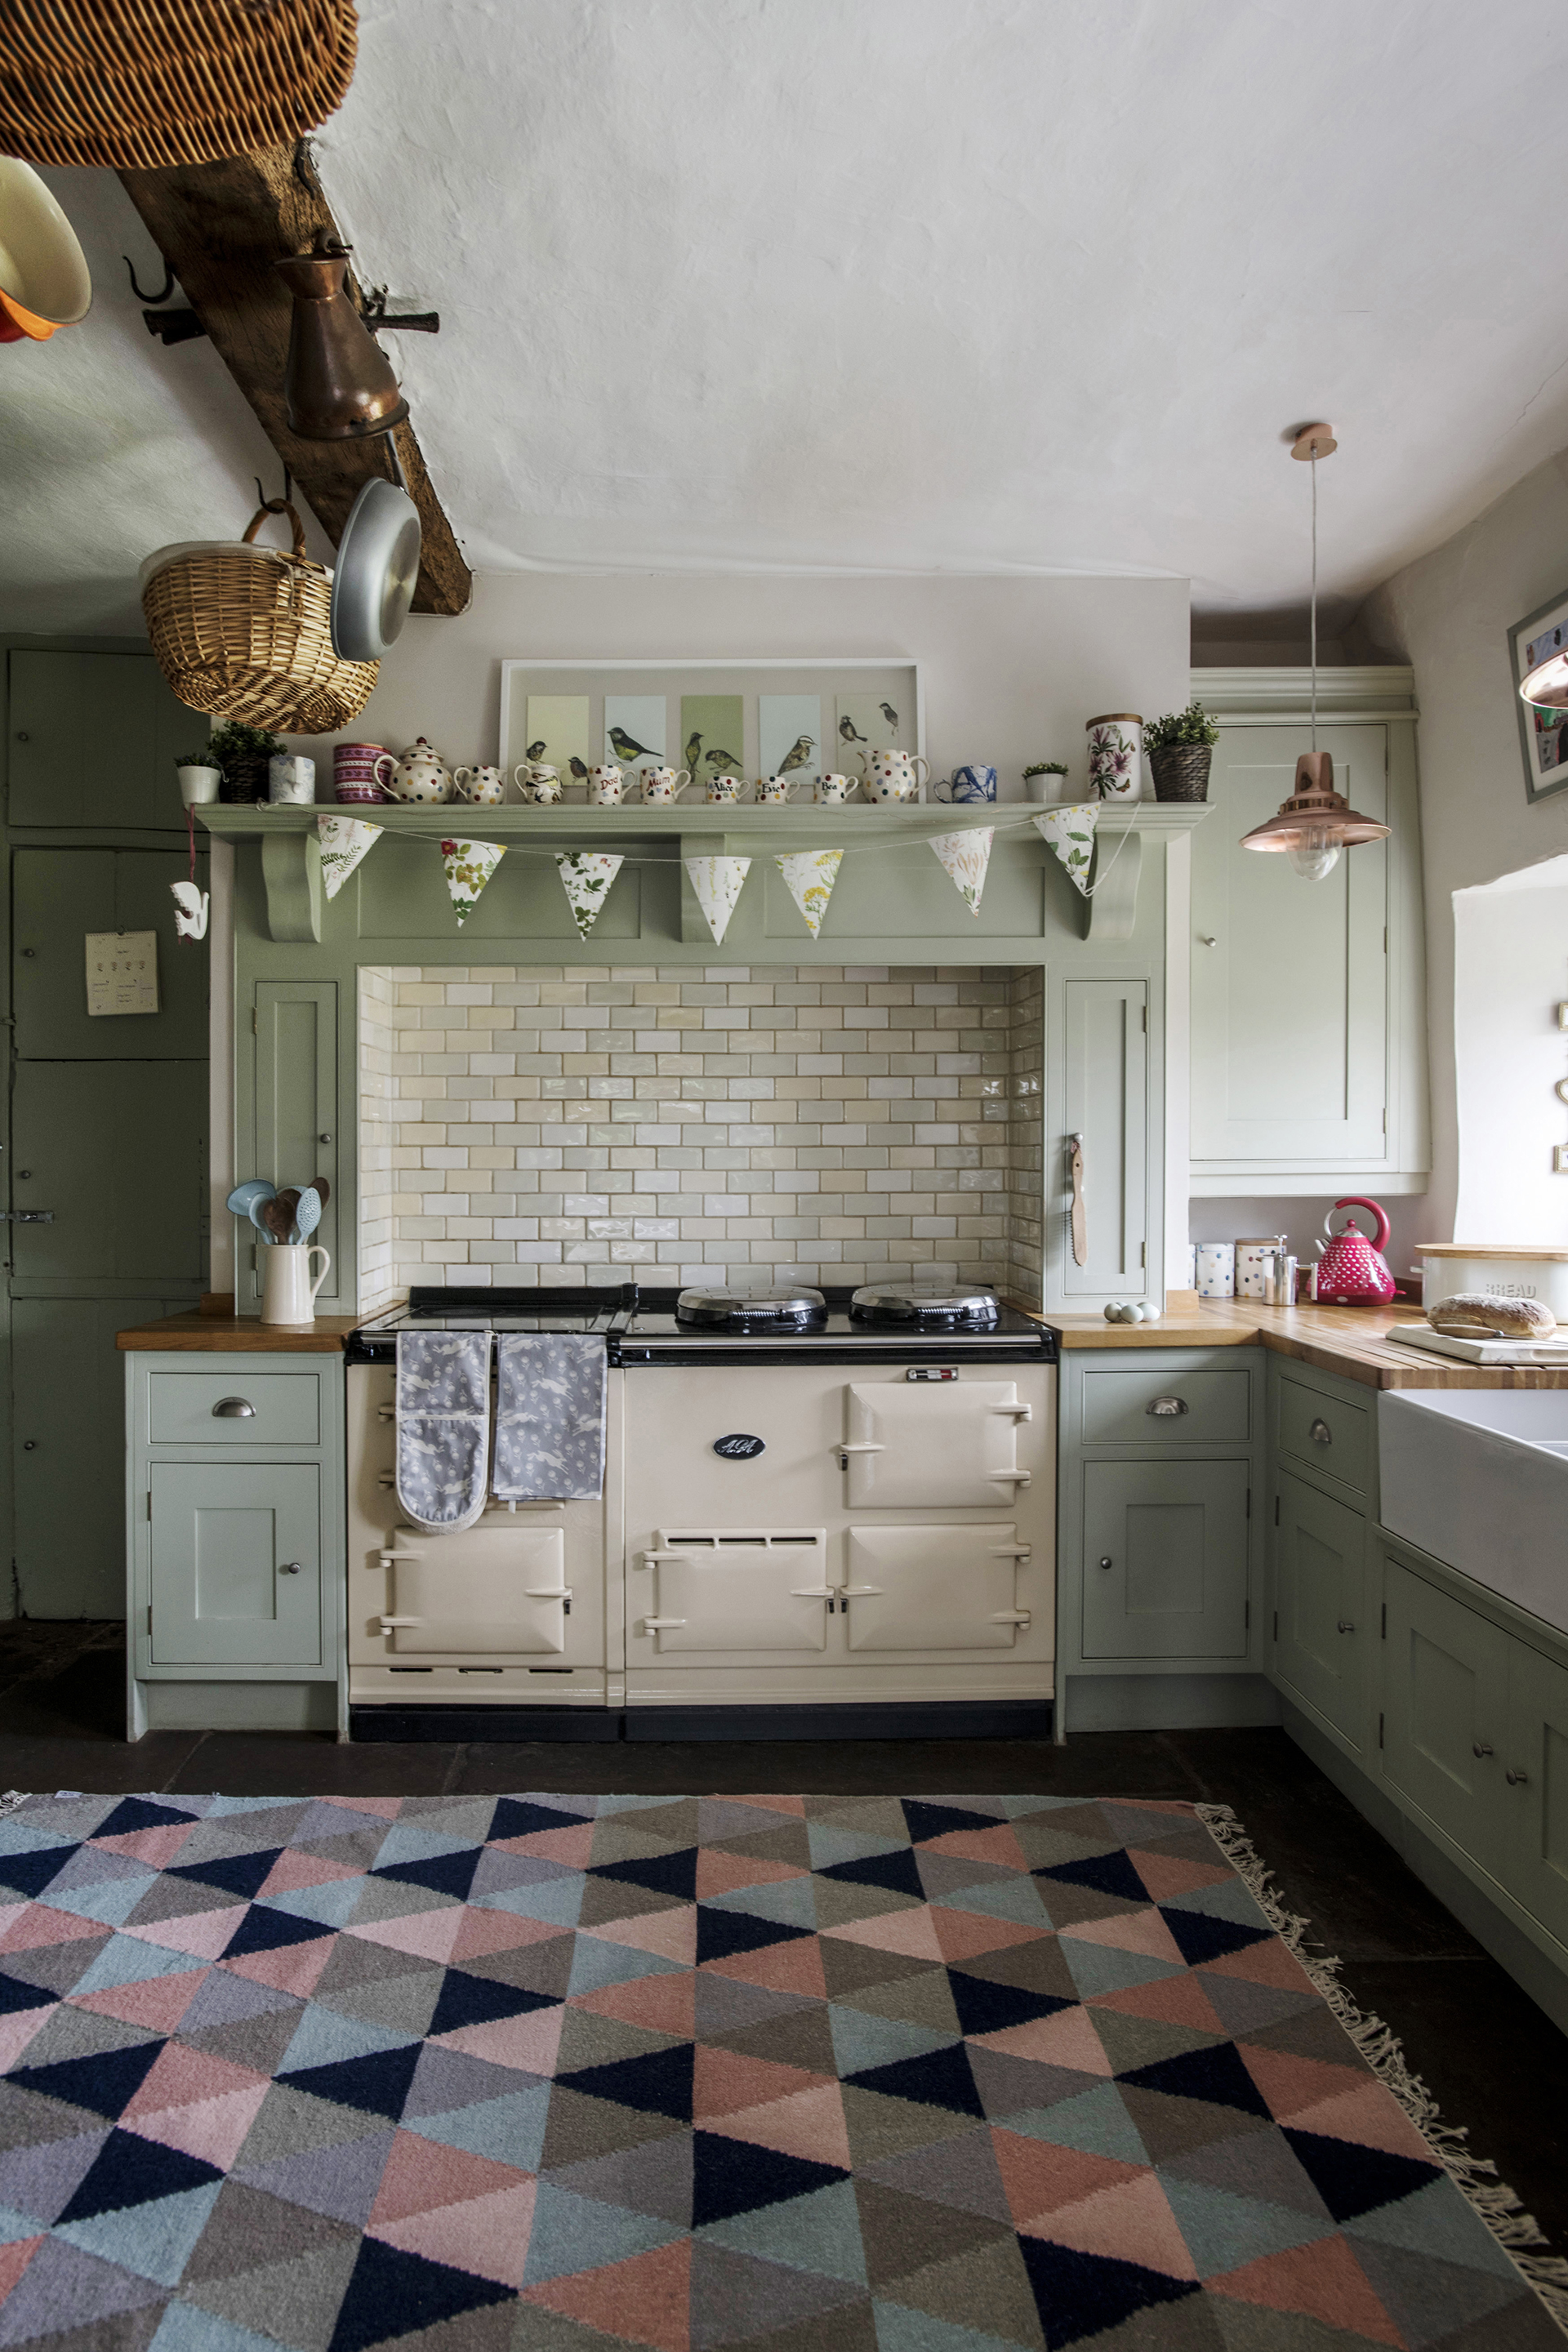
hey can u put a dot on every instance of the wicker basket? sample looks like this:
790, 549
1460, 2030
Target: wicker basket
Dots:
1181, 772
147, 83
251, 637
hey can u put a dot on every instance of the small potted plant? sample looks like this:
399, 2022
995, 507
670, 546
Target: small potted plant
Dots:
241, 753
1180, 746
199, 779
1035, 777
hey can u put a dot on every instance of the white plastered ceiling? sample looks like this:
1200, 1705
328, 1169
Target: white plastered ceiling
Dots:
887, 286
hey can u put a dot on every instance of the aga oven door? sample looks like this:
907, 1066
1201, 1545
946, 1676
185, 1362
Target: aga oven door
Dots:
913, 1447
934, 1588
743, 1589
497, 1589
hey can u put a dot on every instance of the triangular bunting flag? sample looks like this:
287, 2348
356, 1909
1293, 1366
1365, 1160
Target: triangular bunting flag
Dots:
346, 841
586, 876
965, 856
1069, 833
717, 883
469, 865
809, 877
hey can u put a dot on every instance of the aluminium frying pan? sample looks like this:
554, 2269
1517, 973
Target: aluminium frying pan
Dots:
377, 566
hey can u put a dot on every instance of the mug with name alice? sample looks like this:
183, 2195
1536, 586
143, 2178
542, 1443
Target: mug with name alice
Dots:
725, 788
662, 787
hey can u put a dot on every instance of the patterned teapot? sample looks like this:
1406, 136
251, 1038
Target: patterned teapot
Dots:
1353, 1271
421, 777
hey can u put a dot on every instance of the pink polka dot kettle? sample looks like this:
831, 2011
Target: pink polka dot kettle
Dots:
1351, 1271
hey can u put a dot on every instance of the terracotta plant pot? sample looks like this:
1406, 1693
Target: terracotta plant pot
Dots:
1181, 772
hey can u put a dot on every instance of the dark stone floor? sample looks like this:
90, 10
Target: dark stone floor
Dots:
1490, 2057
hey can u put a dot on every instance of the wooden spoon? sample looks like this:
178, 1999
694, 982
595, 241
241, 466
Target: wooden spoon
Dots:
277, 1216
322, 1190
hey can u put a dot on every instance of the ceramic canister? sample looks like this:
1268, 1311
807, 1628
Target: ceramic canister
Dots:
1216, 1270
361, 771
291, 778
1252, 1265
1116, 755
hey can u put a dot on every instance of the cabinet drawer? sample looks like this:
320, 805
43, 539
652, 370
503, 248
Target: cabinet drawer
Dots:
1124, 1408
188, 1408
1321, 1429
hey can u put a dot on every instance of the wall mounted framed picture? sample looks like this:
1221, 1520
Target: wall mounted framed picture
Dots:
801, 719
1542, 733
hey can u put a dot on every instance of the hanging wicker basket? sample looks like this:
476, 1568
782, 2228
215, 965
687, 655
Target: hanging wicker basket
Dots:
147, 83
246, 631
1181, 772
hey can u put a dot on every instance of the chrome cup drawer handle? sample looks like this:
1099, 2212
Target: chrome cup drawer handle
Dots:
1320, 1434
233, 1409
1167, 1407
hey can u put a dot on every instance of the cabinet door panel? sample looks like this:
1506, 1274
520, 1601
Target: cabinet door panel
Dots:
58, 894
741, 1590
1318, 1577
236, 1564
1536, 1744
117, 1150
949, 1588
937, 1448
1105, 1100
1446, 1697
1174, 1534
296, 1098
1290, 978
94, 738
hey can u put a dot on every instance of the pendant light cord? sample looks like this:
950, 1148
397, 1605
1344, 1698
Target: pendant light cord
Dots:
1314, 471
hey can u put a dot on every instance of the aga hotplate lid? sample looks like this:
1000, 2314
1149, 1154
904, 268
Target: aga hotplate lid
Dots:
919, 1303
790, 1308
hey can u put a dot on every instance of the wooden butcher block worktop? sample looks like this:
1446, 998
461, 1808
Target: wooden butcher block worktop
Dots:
1344, 1340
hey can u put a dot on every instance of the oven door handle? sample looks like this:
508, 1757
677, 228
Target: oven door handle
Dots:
390, 1624
388, 1557
659, 1624
547, 1592
1011, 1617
858, 1445
814, 1592
1015, 1477
668, 1554
860, 1591
1011, 1551
386, 1411
1019, 1411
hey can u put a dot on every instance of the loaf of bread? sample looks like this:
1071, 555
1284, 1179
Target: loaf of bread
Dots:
1476, 1315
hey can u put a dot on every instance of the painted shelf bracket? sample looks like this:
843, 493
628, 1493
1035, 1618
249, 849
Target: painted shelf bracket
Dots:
291, 870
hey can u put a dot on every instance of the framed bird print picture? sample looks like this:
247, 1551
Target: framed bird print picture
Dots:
797, 718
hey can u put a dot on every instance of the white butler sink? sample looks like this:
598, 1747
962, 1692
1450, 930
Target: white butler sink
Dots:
1479, 1477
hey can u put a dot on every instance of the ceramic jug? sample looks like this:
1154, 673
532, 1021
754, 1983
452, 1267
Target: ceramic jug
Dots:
421, 776
481, 787
288, 1293
889, 776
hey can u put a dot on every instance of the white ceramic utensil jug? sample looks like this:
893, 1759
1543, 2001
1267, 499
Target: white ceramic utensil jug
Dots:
288, 1293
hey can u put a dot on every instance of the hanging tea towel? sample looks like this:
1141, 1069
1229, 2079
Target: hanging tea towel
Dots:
549, 1417
443, 1428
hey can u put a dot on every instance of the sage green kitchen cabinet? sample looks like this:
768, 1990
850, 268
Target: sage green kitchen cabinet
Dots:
1105, 1099
235, 1564
1321, 1635
1159, 1545
1165, 1560
1475, 1734
94, 738
1308, 998
236, 1539
59, 895
115, 1153
296, 1107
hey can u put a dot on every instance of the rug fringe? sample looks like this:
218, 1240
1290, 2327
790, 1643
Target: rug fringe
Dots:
1516, 2232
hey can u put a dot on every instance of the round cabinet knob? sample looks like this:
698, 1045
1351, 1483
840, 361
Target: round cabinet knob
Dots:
1480, 1747
1515, 1779
1346, 1627
29, 953
290, 1567
1320, 1434
23, 736
323, 1138
1106, 1561
24, 1173
29, 1446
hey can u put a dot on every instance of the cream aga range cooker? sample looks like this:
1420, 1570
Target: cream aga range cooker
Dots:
812, 1500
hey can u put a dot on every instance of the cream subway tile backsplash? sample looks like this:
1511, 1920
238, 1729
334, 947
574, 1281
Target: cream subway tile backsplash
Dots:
517, 1126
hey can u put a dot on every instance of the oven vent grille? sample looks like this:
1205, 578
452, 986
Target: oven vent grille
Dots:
715, 1539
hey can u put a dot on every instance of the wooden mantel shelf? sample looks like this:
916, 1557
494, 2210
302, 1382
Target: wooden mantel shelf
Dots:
291, 851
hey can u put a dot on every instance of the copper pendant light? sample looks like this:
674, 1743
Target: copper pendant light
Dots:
1316, 822
338, 382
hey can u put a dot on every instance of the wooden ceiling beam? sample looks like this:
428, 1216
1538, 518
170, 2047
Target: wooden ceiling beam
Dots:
220, 227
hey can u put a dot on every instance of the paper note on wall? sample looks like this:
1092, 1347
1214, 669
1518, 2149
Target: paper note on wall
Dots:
121, 972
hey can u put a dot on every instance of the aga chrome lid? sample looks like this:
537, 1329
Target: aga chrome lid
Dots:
790, 1308
907, 1302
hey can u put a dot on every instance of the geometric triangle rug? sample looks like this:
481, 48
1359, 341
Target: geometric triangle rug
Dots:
564, 2073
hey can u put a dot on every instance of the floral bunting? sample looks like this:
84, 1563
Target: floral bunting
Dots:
586, 876
718, 882
1069, 833
809, 877
469, 865
964, 857
346, 841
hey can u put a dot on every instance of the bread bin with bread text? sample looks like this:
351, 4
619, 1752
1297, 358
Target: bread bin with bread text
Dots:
1504, 1270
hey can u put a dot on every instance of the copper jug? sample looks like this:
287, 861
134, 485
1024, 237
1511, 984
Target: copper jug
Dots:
338, 382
